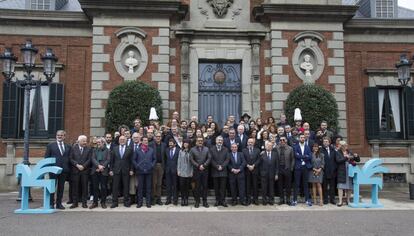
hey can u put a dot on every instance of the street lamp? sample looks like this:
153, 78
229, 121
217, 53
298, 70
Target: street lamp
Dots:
404, 69
28, 82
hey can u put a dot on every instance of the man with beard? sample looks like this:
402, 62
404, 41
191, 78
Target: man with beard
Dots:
219, 162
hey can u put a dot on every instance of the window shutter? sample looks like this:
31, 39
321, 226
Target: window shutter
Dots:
409, 111
10, 112
371, 113
56, 105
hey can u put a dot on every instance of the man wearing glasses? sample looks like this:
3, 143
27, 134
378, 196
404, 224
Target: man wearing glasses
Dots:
200, 159
285, 166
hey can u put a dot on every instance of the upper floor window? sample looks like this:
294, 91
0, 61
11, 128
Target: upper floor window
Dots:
40, 4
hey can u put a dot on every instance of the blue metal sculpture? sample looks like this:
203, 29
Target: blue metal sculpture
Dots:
366, 176
35, 178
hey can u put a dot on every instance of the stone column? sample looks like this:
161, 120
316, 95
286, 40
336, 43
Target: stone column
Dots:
278, 77
185, 78
255, 78
338, 79
98, 95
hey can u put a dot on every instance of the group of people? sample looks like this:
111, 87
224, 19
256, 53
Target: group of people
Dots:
248, 158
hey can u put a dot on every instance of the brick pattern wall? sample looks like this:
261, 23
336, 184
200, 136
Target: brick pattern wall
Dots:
75, 55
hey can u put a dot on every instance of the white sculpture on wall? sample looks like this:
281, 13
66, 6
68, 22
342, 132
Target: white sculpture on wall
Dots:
306, 65
131, 62
308, 59
130, 56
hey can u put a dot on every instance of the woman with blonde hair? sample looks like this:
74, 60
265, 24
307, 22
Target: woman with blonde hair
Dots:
344, 158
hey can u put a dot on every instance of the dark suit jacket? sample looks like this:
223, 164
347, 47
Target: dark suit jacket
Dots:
243, 143
253, 159
310, 143
52, 150
153, 145
170, 163
329, 170
227, 143
239, 164
269, 167
121, 165
83, 159
219, 158
104, 162
299, 157
144, 162
198, 158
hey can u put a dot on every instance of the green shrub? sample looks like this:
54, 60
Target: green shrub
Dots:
130, 100
316, 104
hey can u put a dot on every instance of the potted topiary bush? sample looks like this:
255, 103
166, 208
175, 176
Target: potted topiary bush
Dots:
130, 100
316, 105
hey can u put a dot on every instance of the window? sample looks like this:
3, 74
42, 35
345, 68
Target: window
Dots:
389, 110
46, 111
40, 4
389, 113
384, 8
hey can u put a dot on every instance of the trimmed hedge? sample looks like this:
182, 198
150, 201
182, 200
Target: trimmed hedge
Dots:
130, 100
316, 104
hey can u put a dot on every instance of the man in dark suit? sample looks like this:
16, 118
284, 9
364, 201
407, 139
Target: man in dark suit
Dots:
303, 157
236, 175
286, 164
241, 134
268, 173
61, 152
231, 139
170, 169
144, 161
80, 159
252, 156
159, 149
200, 159
308, 139
121, 170
108, 141
219, 162
329, 171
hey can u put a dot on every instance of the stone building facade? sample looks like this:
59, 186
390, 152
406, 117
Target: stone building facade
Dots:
177, 42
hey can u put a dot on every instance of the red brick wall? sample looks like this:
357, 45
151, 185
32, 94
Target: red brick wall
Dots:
393, 152
358, 57
75, 55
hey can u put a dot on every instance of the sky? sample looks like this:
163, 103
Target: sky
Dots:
406, 3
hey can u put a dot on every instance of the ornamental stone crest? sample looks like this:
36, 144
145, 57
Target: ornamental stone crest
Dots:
220, 6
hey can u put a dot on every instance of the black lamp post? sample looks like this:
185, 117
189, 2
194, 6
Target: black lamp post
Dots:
28, 82
404, 69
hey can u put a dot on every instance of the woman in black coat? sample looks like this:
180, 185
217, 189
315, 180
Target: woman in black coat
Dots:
344, 158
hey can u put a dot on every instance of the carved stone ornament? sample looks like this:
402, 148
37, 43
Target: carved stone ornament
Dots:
220, 7
307, 59
130, 57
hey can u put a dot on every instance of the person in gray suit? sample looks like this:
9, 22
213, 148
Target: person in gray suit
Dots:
219, 162
200, 158
101, 157
286, 164
268, 173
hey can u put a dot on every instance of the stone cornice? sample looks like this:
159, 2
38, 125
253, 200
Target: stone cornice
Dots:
297, 12
134, 7
379, 24
45, 18
220, 33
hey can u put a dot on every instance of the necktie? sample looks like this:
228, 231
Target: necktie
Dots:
81, 150
235, 157
136, 147
250, 151
122, 151
269, 156
62, 149
171, 153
